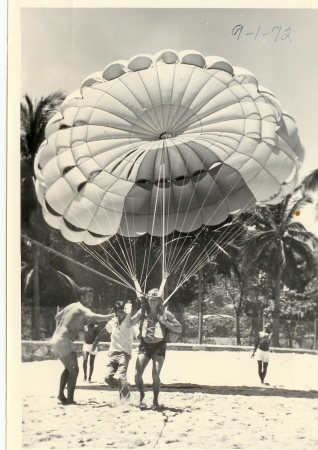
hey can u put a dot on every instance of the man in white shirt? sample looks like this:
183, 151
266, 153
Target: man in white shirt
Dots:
120, 349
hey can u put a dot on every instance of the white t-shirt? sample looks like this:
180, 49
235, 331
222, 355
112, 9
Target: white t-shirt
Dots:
121, 337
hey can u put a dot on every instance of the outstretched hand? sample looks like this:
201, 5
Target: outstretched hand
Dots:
128, 308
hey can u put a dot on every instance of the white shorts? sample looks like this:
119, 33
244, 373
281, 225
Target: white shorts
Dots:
88, 348
262, 356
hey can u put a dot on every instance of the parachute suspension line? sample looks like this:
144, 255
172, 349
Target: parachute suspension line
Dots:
172, 253
224, 200
175, 256
208, 256
128, 256
214, 251
104, 263
163, 252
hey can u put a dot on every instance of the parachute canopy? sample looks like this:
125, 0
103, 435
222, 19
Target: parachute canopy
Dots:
160, 143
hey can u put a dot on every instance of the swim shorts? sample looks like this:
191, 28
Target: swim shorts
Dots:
150, 350
88, 348
62, 346
262, 356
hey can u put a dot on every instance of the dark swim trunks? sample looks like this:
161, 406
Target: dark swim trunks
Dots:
150, 350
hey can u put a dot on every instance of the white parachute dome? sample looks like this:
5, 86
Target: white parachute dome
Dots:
160, 143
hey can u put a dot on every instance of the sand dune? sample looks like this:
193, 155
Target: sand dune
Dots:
212, 400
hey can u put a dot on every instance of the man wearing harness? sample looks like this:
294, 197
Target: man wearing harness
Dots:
262, 350
154, 328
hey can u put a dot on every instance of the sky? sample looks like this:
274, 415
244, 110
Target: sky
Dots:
61, 47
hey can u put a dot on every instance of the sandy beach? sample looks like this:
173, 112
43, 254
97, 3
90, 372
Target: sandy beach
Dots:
211, 400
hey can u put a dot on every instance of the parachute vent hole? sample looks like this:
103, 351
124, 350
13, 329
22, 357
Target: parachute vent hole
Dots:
64, 127
181, 178
51, 210
93, 175
81, 186
80, 123
130, 170
116, 166
143, 182
163, 183
215, 165
72, 227
165, 135
130, 153
67, 169
97, 235
198, 172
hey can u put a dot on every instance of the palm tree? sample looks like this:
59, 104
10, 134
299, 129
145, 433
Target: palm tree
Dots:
280, 247
307, 212
34, 117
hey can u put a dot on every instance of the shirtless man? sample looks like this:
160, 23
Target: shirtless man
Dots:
262, 350
70, 323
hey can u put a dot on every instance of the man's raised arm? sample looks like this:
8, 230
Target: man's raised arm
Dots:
88, 314
131, 321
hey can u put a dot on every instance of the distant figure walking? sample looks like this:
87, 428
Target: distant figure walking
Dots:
90, 333
262, 350
70, 323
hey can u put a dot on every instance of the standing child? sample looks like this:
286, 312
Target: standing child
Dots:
262, 350
90, 333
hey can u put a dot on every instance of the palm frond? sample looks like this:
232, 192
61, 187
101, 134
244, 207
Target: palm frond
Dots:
302, 249
305, 237
310, 183
254, 245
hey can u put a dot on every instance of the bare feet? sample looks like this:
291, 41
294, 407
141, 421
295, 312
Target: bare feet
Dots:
156, 405
62, 399
70, 402
141, 403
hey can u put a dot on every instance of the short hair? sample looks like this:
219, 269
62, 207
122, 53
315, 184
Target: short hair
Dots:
153, 291
119, 305
85, 289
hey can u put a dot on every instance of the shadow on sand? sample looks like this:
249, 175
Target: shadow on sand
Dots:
262, 390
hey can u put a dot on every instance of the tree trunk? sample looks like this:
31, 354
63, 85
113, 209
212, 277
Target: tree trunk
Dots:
200, 308
238, 331
36, 295
238, 311
277, 290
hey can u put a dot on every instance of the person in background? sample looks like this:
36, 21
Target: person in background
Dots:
262, 350
90, 333
120, 349
155, 324
70, 323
